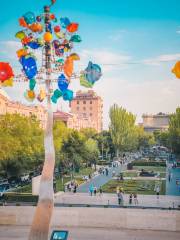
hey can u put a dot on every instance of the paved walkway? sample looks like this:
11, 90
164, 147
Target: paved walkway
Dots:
173, 186
111, 199
100, 179
21, 233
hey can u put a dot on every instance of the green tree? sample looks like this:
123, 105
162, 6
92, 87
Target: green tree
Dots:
162, 138
105, 143
91, 151
89, 132
145, 139
73, 150
174, 131
122, 128
21, 141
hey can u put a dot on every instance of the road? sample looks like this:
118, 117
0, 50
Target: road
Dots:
21, 233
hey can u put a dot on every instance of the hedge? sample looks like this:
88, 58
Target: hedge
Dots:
19, 197
155, 164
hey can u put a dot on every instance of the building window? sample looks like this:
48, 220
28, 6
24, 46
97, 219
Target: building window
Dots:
84, 108
84, 102
77, 102
90, 114
90, 102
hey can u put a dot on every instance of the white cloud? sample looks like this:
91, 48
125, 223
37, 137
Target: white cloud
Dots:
117, 35
139, 97
162, 59
8, 49
137, 93
107, 59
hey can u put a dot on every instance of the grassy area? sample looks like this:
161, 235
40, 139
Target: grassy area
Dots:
84, 171
130, 174
130, 186
59, 183
161, 170
24, 189
60, 186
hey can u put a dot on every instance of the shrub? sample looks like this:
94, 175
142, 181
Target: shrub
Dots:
19, 197
153, 163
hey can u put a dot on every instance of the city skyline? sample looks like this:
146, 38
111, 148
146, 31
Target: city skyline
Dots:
135, 44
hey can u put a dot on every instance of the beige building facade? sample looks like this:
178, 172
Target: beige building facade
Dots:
71, 120
11, 107
89, 107
159, 122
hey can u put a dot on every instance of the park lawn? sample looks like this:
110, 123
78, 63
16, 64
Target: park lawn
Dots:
130, 174
24, 189
145, 187
161, 170
60, 186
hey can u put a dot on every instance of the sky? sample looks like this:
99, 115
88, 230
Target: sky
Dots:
136, 43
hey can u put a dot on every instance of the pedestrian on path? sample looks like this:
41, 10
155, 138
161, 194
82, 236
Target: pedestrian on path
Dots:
91, 189
169, 177
120, 198
75, 188
100, 191
95, 191
130, 198
135, 198
157, 190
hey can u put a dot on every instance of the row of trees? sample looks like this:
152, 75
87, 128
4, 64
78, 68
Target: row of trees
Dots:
21, 144
171, 138
22, 148
125, 134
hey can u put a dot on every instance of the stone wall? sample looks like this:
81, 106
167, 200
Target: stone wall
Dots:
108, 218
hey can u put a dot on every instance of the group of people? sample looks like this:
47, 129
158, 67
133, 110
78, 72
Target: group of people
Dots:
72, 186
104, 171
132, 197
93, 190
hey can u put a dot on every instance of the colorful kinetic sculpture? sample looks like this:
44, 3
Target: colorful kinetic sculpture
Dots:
176, 69
6, 75
59, 35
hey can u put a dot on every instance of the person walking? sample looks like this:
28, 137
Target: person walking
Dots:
135, 198
100, 191
120, 198
107, 172
75, 188
157, 190
169, 177
95, 191
130, 198
91, 189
